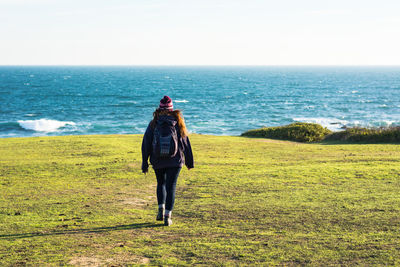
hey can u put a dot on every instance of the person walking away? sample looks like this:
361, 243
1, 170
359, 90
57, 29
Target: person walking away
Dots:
167, 144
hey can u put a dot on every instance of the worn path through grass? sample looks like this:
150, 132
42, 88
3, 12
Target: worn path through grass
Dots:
82, 200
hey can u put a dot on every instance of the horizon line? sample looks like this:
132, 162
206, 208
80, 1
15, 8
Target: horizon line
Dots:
193, 65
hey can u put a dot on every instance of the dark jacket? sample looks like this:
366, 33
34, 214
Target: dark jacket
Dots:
184, 155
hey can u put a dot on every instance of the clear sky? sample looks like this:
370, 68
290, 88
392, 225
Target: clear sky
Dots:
201, 32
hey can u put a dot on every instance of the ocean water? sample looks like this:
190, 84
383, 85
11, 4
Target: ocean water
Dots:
37, 101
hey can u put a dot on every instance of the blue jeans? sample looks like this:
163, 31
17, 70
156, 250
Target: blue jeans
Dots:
166, 185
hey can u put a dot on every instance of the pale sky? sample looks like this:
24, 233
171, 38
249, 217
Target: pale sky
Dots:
201, 32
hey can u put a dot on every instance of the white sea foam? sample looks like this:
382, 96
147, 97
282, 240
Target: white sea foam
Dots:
353, 92
181, 101
330, 123
381, 123
364, 101
337, 124
384, 123
44, 125
309, 107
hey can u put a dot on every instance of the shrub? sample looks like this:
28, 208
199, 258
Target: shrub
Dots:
367, 135
298, 131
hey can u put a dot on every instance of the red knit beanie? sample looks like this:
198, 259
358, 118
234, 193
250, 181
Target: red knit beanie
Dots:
166, 103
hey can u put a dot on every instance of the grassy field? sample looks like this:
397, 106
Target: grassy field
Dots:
82, 200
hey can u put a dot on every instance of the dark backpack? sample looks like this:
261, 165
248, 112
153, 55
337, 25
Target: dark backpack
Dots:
165, 139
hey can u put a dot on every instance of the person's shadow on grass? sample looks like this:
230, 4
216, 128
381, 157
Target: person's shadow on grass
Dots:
82, 231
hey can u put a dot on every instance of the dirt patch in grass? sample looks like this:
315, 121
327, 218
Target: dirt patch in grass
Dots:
86, 261
135, 198
120, 260
132, 166
136, 202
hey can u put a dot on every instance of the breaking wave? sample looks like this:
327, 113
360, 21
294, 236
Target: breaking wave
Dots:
44, 125
330, 123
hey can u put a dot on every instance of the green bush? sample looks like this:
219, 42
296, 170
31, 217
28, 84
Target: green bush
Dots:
367, 135
299, 131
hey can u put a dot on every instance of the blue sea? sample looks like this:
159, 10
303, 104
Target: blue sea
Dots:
51, 100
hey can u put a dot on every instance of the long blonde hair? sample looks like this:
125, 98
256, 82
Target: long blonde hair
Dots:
177, 114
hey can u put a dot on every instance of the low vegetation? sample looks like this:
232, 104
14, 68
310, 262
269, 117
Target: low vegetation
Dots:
82, 200
298, 131
311, 132
367, 135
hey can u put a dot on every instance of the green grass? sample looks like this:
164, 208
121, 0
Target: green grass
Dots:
77, 200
